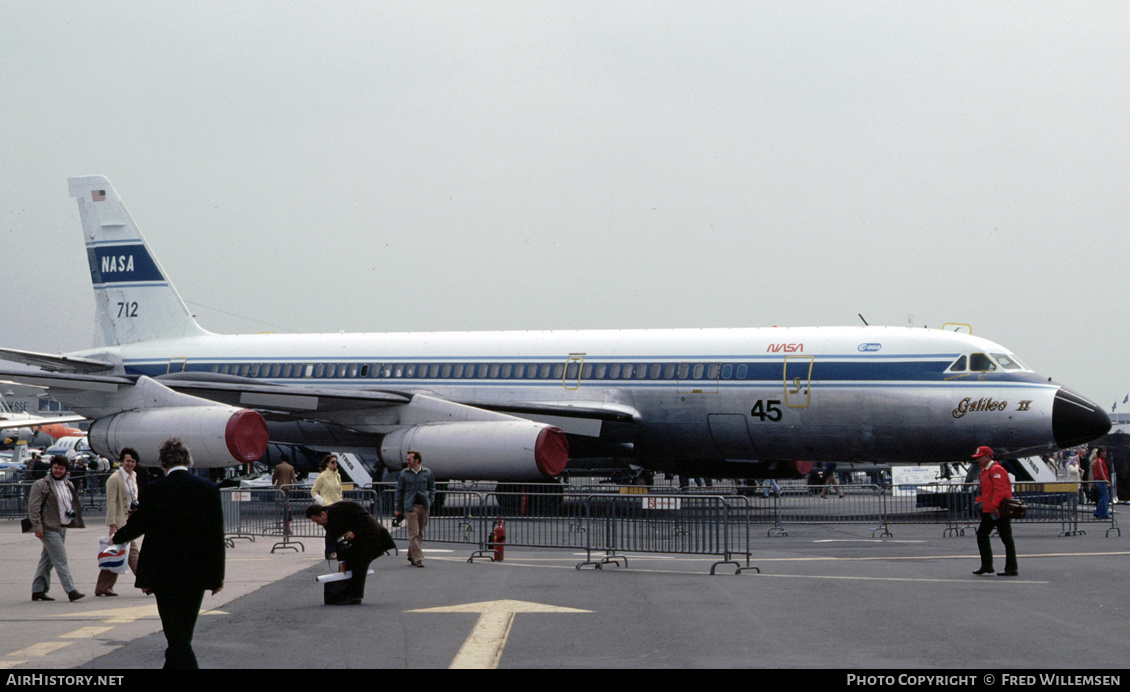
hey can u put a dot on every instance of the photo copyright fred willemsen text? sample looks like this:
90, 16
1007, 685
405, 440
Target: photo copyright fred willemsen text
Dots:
1005, 680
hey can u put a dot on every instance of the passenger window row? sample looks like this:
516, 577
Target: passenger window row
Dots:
494, 371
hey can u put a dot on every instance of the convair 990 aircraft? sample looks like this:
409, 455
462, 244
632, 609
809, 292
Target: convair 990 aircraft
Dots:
524, 406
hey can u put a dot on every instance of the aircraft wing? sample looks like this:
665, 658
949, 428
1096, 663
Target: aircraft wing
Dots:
582, 418
575, 418
614, 413
54, 363
33, 422
286, 399
59, 380
294, 399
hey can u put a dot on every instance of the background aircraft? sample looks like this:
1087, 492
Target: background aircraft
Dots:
521, 406
17, 426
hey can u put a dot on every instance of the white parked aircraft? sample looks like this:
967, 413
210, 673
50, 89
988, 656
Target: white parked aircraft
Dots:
20, 425
520, 406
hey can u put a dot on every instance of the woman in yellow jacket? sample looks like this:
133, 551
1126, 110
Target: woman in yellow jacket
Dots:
326, 491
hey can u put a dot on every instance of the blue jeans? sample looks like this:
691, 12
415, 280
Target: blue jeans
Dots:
1102, 508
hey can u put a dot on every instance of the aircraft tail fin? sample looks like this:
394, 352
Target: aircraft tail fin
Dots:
134, 300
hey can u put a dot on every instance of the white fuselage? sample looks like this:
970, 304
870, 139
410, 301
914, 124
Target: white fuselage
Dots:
769, 394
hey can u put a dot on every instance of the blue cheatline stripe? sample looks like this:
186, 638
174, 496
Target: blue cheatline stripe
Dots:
132, 284
824, 374
735, 359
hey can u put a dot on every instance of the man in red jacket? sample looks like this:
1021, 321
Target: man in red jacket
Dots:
1100, 473
995, 487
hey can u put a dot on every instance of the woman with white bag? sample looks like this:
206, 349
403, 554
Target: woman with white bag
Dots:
121, 501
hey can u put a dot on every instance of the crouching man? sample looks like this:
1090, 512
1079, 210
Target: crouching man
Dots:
360, 540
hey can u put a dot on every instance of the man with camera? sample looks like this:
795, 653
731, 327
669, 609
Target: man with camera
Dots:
53, 507
121, 501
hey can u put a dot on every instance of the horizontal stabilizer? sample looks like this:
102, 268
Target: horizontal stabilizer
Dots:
35, 422
53, 363
65, 381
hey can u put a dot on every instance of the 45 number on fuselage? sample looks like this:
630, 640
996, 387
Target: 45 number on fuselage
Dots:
767, 409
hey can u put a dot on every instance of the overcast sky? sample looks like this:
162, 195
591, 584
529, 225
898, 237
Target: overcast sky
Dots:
379, 166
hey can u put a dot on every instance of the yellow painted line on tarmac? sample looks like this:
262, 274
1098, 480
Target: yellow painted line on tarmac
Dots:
115, 616
85, 633
483, 648
40, 649
123, 616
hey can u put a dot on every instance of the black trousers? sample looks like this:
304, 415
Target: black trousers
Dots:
1003, 525
178, 609
359, 567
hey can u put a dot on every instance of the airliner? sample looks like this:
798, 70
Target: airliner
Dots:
523, 406
20, 426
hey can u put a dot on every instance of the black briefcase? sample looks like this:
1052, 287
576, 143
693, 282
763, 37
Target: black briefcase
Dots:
334, 591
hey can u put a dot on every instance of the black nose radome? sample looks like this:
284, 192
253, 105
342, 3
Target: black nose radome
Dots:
1076, 420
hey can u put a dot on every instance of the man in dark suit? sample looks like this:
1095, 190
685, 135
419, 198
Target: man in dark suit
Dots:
359, 538
182, 520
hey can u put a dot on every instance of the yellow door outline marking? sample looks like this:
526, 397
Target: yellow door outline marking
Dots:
799, 388
579, 359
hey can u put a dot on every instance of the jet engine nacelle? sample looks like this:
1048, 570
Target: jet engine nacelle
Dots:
504, 450
215, 435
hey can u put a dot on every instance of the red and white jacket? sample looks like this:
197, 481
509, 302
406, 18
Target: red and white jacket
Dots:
1099, 470
995, 486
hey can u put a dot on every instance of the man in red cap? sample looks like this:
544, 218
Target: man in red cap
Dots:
995, 487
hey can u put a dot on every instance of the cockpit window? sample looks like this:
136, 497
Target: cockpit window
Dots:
958, 365
1007, 362
979, 362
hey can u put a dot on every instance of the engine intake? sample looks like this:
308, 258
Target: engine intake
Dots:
506, 451
215, 435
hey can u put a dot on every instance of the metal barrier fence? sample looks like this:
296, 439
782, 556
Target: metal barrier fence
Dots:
91, 489
609, 525
13, 499
1065, 504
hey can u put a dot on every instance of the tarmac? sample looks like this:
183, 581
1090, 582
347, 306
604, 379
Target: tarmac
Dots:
827, 597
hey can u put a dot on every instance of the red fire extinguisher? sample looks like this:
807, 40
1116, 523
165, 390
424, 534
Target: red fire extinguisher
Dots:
497, 539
